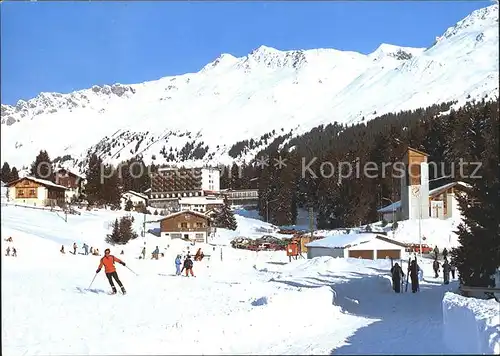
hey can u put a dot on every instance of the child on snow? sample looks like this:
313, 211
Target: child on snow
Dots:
178, 265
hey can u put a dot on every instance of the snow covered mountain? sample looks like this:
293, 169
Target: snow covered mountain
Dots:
268, 93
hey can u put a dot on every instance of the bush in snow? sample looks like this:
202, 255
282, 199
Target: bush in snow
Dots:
122, 231
129, 205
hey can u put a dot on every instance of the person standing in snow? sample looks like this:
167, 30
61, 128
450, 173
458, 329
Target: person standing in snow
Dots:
446, 272
414, 276
188, 265
74, 248
62, 249
14, 252
86, 249
143, 253
156, 252
397, 276
108, 261
445, 253
178, 263
435, 267
436, 252
7, 251
452, 269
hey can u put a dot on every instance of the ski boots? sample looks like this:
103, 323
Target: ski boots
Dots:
124, 291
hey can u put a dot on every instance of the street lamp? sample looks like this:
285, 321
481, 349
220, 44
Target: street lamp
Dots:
393, 214
267, 207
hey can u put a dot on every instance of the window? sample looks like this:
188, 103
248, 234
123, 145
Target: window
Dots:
184, 225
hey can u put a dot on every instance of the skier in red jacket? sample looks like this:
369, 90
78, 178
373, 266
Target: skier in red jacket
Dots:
108, 261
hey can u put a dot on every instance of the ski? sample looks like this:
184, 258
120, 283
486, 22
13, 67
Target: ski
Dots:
407, 274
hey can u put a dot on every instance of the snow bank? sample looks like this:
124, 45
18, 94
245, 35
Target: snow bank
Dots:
470, 325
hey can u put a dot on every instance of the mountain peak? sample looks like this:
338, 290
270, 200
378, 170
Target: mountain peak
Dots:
224, 60
392, 51
478, 20
274, 59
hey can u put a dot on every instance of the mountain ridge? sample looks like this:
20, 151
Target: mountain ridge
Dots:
266, 91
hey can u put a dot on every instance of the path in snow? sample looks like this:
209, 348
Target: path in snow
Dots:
403, 323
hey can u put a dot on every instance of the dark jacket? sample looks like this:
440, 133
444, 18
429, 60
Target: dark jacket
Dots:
435, 265
446, 267
397, 272
413, 270
188, 263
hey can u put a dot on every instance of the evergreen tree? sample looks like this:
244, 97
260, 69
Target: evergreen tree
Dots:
127, 233
224, 217
134, 175
114, 238
93, 186
14, 174
479, 254
42, 167
478, 257
110, 191
235, 179
6, 172
284, 209
122, 231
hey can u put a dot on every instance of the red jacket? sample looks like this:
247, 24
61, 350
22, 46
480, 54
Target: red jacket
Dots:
109, 263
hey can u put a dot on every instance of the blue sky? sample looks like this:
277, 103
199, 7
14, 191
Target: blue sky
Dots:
66, 46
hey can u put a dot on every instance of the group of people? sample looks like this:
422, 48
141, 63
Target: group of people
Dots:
415, 273
86, 250
154, 255
8, 250
187, 265
447, 269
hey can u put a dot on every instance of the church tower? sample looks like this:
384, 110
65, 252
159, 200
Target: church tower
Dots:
415, 185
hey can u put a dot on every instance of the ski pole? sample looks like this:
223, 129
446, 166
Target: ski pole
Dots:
92, 281
131, 270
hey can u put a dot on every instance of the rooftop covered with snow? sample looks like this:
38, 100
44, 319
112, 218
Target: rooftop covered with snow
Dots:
44, 182
343, 241
433, 192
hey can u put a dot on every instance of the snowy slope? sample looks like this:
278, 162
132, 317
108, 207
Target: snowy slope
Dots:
234, 99
246, 303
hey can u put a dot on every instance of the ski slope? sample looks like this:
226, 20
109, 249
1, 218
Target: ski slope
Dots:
239, 302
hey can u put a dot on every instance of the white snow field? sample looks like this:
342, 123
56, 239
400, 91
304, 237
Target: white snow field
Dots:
245, 302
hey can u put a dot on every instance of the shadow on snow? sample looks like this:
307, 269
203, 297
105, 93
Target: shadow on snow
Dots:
405, 323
